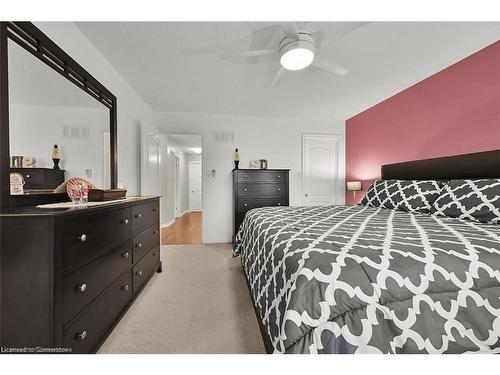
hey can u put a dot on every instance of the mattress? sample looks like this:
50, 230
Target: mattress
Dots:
356, 279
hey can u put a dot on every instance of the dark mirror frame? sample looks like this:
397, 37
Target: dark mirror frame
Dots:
29, 37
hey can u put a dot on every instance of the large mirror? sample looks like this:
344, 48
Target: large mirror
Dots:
57, 131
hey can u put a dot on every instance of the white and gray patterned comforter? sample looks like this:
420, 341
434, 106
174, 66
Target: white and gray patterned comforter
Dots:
344, 279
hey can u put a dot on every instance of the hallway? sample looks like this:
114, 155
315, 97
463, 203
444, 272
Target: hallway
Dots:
185, 230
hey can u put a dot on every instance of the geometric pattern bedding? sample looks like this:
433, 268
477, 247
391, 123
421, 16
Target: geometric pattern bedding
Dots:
470, 199
405, 195
358, 279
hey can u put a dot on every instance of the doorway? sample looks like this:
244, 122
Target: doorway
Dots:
182, 222
321, 183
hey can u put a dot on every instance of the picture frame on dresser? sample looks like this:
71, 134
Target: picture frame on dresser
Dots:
67, 275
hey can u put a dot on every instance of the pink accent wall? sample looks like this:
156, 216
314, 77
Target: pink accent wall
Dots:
454, 111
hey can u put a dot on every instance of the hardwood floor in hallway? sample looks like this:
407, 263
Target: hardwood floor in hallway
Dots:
185, 230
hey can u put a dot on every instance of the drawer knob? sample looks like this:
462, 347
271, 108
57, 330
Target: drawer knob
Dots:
125, 254
138, 216
28, 176
246, 205
82, 238
125, 288
245, 176
125, 221
279, 204
139, 272
155, 231
82, 288
245, 189
279, 189
155, 209
154, 253
82, 335
279, 176
138, 244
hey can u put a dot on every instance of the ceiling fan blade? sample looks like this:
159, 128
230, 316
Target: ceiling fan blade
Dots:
335, 32
245, 54
290, 29
329, 66
277, 77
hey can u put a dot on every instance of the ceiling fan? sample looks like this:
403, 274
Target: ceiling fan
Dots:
296, 45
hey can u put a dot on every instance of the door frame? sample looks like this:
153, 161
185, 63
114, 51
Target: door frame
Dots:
338, 139
155, 133
191, 162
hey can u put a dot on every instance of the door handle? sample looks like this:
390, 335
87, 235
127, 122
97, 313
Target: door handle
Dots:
306, 195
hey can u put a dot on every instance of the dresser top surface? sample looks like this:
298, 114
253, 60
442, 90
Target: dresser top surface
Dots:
39, 169
74, 210
260, 170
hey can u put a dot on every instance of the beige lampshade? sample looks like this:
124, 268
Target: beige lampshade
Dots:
354, 186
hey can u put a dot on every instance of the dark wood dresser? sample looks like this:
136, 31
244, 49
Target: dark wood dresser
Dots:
40, 178
68, 275
254, 188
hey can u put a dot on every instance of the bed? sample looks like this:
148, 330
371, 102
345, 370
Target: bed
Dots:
358, 279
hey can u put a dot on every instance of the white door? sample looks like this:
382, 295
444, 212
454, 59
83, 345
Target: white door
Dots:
194, 186
320, 181
150, 160
176, 182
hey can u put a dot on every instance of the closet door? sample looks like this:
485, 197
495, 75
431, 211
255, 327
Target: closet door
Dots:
320, 167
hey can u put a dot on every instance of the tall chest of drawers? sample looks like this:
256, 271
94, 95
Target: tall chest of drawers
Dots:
67, 276
254, 188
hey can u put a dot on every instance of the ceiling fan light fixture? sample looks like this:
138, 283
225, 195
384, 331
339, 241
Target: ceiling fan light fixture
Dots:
297, 54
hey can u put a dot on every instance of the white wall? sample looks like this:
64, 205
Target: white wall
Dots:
278, 140
131, 107
34, 130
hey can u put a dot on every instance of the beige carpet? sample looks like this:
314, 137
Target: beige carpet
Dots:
199, 304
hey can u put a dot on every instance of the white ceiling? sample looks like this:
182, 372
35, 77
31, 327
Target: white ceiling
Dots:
168, 64
188, 143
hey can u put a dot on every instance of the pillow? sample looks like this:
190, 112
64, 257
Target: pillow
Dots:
405, 195
477, 200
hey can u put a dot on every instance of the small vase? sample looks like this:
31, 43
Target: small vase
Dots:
56, 163
236, 163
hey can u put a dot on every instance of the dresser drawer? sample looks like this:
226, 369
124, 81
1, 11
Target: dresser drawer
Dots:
145, 241
245, 204
144, 215
82, 286
85, 237
262, 190
83, 335
33, 179
145, 267
262, 176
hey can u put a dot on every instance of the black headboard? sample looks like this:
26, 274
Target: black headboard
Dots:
477, 165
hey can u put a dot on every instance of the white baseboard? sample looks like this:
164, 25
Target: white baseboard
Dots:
217, 239
165, 225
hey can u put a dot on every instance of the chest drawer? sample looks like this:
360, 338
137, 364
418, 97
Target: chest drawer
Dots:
245, 204
82, 286
85, 237
84, 334
145, 241
144, 215
262, 176
32, 179
145, 267
262, 190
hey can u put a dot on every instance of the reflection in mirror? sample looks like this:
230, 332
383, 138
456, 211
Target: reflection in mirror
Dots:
45, 110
